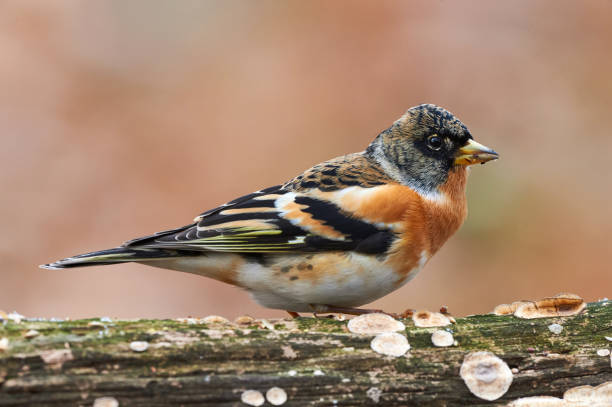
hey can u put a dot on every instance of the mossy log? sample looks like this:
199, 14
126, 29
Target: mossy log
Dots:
315, 361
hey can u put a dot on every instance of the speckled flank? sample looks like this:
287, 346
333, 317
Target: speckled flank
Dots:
219, 266
294, 282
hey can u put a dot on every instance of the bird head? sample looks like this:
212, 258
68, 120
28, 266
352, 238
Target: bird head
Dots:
425, 145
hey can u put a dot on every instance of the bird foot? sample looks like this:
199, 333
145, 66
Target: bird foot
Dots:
293, 314
319, 308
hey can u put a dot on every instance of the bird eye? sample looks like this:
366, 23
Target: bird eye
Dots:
434, 142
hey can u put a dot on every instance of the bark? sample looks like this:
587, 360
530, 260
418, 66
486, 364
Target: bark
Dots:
315, 361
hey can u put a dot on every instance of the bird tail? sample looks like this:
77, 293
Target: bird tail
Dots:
113, 256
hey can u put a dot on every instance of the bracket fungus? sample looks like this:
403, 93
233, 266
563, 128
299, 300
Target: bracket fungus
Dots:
32, 333
4, 344
538, 401
390, 344
442, 338
56, 357
580, 396
561, 305
244, 320
374, 394
276, 396
139, 346
252, 398
486, 376
106, 402
594, 396
215, 319
374, 324
428, 319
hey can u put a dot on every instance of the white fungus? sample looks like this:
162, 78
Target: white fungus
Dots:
264, 323
15, 317
555, 328
288, 352
428, 319
56, 356
373, 324
442, 338
215, 319
244, 320
592, 396
603, 352
374, 394
580, 396
106, 402
276, 396
252, 398
32, 333
139, 346
486, 376
537, 401
390, 344
4, 344
318, 373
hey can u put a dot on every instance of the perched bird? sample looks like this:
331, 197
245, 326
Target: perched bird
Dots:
342, 234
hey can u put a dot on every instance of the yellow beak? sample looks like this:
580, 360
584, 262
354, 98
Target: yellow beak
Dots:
474, 153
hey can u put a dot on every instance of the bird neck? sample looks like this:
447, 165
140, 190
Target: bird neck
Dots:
448, 213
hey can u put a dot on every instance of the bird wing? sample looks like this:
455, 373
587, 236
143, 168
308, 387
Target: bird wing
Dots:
274, 220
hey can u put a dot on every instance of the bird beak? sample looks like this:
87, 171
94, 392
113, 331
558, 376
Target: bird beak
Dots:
474, 153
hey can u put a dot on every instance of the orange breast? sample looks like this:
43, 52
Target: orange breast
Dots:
423, 223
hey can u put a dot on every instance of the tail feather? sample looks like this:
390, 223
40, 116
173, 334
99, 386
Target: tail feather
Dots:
113, 256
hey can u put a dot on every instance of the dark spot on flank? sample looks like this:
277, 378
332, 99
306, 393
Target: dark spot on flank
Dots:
293, 278
309, 266
301, 266
285, 269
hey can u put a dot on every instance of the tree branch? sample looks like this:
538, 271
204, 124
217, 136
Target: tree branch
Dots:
314, 361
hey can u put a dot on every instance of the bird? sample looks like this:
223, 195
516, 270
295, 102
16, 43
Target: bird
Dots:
340, 235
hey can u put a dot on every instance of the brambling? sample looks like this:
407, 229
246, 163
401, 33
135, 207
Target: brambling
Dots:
342, 234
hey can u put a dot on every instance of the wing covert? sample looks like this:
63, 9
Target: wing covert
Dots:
274, 220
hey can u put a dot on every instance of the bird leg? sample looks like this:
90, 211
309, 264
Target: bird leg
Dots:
317, 308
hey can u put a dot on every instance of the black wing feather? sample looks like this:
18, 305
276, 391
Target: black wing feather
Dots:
280, 235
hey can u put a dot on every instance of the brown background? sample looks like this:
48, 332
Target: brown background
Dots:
119, 119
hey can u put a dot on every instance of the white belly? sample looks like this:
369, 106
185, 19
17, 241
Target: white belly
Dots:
294, 282
343, 280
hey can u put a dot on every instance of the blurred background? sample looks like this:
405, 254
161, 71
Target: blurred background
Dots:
120, 119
